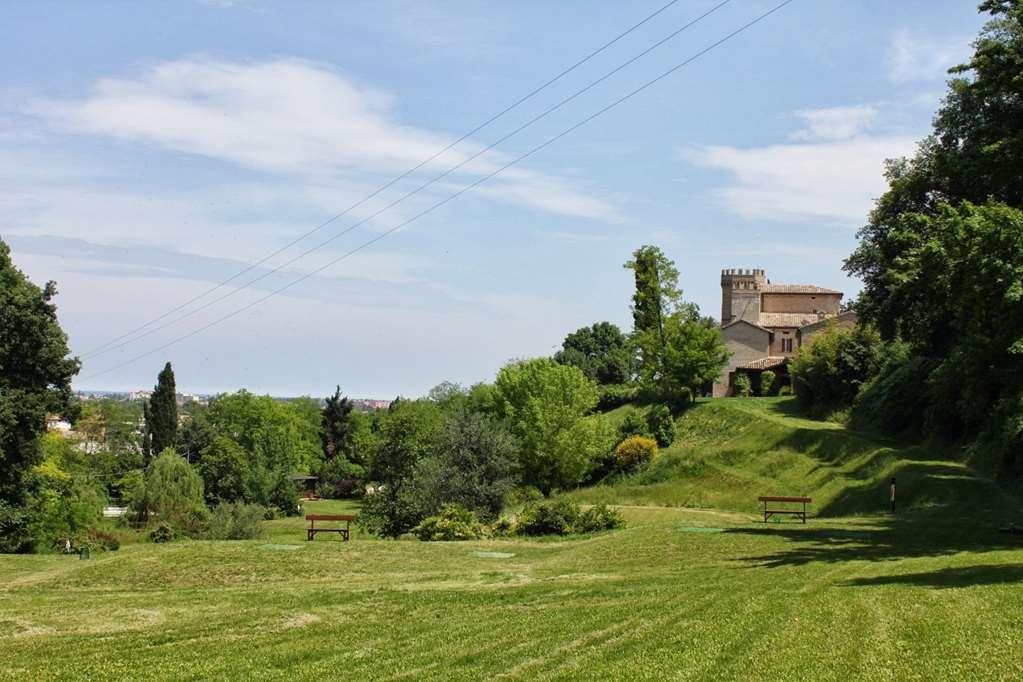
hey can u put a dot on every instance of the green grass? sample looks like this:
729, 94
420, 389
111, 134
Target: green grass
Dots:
931, 593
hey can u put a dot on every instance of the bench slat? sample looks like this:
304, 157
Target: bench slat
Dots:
330, 517
784, 499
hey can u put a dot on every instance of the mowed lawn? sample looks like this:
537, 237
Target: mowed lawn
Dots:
679, 594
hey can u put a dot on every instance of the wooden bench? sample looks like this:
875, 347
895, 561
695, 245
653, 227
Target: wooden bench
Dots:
313, 530
769, 512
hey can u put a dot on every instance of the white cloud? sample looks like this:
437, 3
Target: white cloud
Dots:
833, 181
835, 123
288, 116
915, 56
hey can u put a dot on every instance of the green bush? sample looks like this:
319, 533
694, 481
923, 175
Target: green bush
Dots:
615, 395
632, 425
341, 479
828, 372
767, 378
635, 452
453, 523
742, 384
502, 528
785, 390
98, 540
662, 425
162, 533
600, 518
524, 495
557, 517
235, 521
562, 517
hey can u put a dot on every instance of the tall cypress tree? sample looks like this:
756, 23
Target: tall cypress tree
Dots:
162, 414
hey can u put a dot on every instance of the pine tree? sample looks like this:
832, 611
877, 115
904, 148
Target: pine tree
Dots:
162, 413
336, 431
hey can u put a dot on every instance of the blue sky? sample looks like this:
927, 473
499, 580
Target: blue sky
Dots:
150, 150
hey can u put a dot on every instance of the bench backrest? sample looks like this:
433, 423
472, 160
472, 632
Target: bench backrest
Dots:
329, 517
768, 498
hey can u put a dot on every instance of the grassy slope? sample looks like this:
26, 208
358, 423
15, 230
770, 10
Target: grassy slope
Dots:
729, 452
932, 593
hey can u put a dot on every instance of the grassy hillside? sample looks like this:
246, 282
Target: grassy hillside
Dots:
731, 451
932, 592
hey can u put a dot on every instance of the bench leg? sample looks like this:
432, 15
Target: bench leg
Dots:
310, 534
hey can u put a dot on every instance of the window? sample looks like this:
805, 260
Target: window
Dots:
786, 345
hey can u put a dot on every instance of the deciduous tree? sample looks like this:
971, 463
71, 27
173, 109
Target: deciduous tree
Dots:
35, 380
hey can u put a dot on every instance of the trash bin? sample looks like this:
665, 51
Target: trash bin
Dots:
83, 552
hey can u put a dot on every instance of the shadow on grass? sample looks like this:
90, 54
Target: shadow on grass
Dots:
988, 574
923, 533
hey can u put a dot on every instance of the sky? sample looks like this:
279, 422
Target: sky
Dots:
150, 151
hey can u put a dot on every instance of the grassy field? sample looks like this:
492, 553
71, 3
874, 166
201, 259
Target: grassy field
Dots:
930, 593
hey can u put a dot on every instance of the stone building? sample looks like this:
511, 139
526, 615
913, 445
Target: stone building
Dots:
764, 324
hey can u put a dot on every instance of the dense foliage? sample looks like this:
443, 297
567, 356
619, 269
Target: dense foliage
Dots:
828, 372
35, 380
600, 351
941, 257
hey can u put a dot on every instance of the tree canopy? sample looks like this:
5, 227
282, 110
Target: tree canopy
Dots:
35, 380
940, 257
601, 351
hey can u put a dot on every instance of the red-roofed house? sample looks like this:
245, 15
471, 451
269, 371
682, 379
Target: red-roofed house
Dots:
765, 323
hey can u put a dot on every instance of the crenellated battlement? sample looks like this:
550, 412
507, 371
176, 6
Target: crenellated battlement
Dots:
740, 293
739, 278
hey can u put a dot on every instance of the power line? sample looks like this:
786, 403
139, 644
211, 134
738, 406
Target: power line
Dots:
395, 180
416, 190
455, 195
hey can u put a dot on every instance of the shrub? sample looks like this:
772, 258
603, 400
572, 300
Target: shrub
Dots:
616, 395
524, 495
453, 523
599, 518
340, 479
827, 373
562, 517
502, 528
662, 425
558, 517
635, 452
235, 521
632, 425
785, 390
767, 378
98, 540
162, 533
742, 385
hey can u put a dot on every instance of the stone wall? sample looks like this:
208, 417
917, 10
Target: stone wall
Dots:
746, 343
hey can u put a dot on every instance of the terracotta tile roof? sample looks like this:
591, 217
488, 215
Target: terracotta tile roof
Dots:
796, 289
763, 363
787, 319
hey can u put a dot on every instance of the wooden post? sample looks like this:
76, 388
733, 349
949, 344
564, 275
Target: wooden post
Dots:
892, 494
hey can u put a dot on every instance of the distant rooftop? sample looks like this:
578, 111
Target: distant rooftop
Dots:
770, 288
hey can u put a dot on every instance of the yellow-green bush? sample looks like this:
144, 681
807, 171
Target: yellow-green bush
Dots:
635, 452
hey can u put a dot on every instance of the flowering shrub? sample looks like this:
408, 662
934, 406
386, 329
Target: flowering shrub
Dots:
635, 452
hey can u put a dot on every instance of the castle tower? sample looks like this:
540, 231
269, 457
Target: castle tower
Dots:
740, 295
